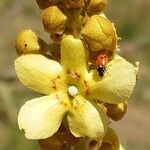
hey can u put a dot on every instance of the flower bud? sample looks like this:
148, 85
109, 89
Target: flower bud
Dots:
116, 111
73, 3
100, 34
96, 6
28, 42
53, 20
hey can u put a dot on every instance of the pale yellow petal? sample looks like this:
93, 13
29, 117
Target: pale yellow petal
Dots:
86, 119
39, 73
74, 56
41, 117
117, 83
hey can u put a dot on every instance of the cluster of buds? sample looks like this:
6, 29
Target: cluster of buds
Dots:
82, 19
81, 92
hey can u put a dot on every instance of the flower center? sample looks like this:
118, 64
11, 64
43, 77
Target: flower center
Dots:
73, 91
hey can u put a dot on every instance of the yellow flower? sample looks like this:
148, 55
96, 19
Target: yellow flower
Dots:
71, 91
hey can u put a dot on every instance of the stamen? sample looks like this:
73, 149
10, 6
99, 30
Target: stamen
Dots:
73, 91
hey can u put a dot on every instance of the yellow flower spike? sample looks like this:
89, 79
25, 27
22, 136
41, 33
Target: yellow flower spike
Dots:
117, 83
53, 20
97, 6
39, 73
100, 34
111, 141
28, 42
41, 117
116, 111
86, 119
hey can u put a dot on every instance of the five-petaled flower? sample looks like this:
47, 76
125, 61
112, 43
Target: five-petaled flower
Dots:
71, 90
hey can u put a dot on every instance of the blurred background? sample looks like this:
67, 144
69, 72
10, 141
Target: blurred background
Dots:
132, 20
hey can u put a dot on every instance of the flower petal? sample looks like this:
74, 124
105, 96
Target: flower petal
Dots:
86, 119
41, 117
74, 56
39, 73
117, 83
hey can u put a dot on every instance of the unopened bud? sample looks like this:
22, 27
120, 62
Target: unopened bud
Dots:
53, 20
100, 34
116, 111
28, 42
